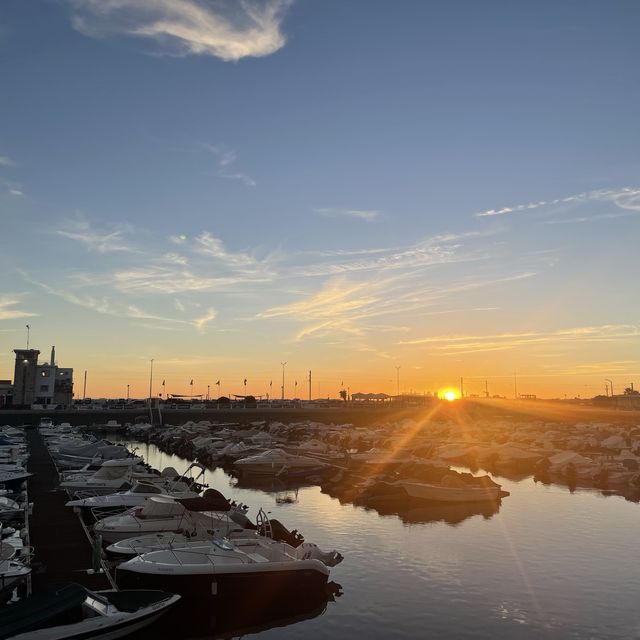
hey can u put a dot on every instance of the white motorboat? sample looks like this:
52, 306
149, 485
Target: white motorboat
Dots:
88, 614
113, 475
452, 489
276, 462
164, 514
134, 497
225, 571
172, 487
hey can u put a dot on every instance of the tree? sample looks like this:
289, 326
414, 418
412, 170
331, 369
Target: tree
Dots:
630, 391
343, 394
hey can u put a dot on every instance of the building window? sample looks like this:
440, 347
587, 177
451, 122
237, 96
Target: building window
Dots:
45, 373
44, 387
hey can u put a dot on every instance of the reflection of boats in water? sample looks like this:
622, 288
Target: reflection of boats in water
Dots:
272, 485
247, 616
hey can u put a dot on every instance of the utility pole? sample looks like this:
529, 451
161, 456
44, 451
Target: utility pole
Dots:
461, 387
283, 366
398, 380
28, 330
127, 393
309, 385
84, 388
515, 385
486, 389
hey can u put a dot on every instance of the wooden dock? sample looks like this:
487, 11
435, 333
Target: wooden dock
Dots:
62, 550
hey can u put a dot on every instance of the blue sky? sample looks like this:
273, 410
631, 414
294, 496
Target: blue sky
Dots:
449, 186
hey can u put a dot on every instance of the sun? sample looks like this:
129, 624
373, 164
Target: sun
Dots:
449, 395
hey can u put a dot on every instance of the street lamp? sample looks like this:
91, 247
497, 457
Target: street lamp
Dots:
127, 393
151, 382
398, 380
610, 385
283, 366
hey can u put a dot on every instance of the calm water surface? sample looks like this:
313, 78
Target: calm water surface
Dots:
547, 564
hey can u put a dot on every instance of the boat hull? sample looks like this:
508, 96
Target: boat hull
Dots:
434, 493
286, 586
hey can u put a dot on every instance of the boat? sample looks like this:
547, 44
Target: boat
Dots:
11, 573
75, 612
276, 462
452, 489
165, 514
173, 487
226, 571
113, 475
11, 475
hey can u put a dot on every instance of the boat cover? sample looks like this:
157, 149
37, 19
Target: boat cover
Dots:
211, 500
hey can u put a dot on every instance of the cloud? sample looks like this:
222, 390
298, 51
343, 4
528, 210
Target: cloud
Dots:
204, 320
5, 161
100, 242
6, 313
227, 29
16, 192
625, 198
461, 344
226, 158
368, 215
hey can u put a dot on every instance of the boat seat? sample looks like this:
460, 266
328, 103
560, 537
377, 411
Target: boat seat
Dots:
256, 557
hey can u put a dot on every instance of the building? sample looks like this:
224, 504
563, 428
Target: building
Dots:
6, 393
44, 384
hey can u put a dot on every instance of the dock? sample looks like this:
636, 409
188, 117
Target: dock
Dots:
63, 551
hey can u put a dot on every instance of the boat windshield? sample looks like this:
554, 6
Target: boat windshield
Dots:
141, 487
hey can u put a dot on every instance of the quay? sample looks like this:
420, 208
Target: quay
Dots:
63, 552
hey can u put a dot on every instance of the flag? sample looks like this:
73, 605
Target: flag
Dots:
28, 327
271, 383
245, 382
342, 384
191, 383
163, 382
218, 383
296, 383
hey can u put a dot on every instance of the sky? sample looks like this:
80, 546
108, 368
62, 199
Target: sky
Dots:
451, 188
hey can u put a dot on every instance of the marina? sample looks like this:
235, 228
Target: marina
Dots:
371, 548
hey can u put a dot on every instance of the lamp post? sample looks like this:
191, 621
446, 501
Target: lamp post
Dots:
398, 380
283, 366
127, 393
150, 382
610, 385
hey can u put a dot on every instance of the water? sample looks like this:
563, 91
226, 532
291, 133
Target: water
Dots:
548, 564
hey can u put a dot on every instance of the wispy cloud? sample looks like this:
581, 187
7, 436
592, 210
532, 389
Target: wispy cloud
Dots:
201, 322
6, 161
368, 215
226, 159
93, 240
626, 198
460, 344
227, 29
9, 313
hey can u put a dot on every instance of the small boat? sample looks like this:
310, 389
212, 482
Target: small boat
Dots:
452, 489
276, 462
75, 612
165, 514
226, 571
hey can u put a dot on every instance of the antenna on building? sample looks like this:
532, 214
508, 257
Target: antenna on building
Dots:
28, 330
53, 356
